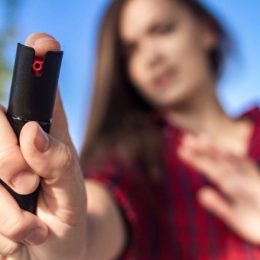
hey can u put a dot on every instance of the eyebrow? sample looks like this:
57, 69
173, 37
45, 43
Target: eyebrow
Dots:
153, 27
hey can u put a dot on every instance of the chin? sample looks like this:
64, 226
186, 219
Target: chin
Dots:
171, 100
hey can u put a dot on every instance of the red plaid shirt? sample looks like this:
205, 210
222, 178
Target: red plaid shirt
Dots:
165, 220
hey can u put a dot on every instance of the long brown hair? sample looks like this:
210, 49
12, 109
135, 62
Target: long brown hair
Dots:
121, 121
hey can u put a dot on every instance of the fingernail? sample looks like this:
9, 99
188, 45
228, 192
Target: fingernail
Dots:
19, 178
36, 236
25, 182
41, 140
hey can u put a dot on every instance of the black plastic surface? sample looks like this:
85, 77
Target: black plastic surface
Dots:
32, 99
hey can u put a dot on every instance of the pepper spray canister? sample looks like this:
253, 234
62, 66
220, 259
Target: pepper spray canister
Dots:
32, 98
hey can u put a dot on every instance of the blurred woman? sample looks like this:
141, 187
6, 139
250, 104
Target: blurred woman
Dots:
179, 168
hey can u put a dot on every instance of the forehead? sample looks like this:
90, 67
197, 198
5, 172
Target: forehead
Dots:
137, 15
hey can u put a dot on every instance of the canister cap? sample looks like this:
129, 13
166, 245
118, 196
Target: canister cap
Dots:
33, 94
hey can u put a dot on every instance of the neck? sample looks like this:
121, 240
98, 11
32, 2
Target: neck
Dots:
201, 114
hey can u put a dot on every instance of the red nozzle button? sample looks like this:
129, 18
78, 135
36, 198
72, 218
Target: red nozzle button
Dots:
37, 65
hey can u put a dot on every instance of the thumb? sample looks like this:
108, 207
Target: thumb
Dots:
56, 163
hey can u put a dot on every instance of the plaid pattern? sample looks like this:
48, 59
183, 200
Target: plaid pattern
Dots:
165, 220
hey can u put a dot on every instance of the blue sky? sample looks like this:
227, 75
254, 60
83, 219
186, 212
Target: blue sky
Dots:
75, 25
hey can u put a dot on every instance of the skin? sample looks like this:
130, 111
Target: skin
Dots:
72, 225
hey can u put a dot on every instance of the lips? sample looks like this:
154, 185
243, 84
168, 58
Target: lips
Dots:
165, 77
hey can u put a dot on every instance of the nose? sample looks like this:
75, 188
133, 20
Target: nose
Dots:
151, 54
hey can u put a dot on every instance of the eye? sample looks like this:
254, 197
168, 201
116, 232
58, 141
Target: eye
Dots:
164, 28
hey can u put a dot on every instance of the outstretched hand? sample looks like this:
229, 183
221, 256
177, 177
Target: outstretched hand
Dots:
237, 177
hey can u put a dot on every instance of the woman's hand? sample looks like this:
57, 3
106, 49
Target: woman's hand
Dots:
237, 177
58, 230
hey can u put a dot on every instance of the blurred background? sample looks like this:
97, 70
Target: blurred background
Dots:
75, 24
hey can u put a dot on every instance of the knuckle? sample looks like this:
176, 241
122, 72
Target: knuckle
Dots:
8, 249
13, 227
228, 185
9, 147
7, 154
65, 157
231, 186
11, 162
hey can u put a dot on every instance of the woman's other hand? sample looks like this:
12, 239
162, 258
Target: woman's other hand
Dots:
237, 177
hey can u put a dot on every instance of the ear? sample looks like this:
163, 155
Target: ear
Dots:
209, 35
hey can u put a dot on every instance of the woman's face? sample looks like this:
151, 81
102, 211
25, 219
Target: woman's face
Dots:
167, 50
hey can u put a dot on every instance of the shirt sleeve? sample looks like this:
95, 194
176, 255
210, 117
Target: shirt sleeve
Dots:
132, 193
